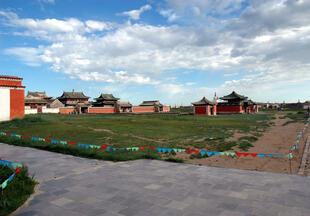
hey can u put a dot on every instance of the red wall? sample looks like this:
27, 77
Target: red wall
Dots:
166, 109
229, 109
17, 103
101, 110
143, 109
200, 110
11, 82
66, 110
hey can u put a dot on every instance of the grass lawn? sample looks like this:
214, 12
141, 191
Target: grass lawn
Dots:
125, 130
17, 191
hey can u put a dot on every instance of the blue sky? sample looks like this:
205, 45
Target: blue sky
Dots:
170, 50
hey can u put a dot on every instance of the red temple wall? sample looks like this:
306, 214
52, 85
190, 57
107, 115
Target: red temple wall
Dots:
17, 103
66, 110
143, 109
101, 110
166, 109
229, 109
200, 110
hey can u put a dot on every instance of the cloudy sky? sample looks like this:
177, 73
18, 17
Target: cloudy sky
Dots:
176, 51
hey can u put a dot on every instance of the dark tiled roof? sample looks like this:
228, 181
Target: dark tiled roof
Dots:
124, 104
107, 97
204, 101
38, 94
150, 103
233, 96
73, 95
39, 101
10, 77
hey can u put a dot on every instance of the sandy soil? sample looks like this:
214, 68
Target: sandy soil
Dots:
277, 139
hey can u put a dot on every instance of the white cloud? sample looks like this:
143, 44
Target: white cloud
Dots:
199, 10
28, 55
135, 14
169, 14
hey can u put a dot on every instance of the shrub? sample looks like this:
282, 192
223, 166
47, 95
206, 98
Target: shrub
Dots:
175, 160
17, 191
245, 145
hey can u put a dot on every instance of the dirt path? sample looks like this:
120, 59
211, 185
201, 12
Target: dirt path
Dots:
276, 140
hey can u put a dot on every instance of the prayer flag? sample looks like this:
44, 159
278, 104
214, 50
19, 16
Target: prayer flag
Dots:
253, 155
289, 156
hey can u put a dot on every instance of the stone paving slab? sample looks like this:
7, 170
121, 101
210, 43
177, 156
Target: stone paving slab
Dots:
77, 186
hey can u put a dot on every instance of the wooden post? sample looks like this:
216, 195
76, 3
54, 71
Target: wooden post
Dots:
290, 166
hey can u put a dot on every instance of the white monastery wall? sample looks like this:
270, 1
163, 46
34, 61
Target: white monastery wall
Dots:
4, 104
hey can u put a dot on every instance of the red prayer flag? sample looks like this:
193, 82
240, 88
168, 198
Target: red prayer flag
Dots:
7, 134
186, 150
17, 170
245, 154
72, 143
253, 155
238, 154
152, 147
26, 137
47, 140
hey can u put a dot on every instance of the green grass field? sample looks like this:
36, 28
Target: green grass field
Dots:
125, 130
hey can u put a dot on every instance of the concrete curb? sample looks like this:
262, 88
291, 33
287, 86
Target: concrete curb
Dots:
26, 204
302, 167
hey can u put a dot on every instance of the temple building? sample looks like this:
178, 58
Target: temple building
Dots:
235, 103
105, 103
75, 101
35, 100
204, 107
124, 107
12, 98
150, 106
105, 100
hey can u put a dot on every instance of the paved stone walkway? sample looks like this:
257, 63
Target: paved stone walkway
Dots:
77, 186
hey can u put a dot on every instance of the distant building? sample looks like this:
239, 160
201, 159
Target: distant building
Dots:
12, 97
105, 100
124, 107
105, 103
75, 101
35, 100
306, 105
204, 107
236, 103
55, 104
150, 106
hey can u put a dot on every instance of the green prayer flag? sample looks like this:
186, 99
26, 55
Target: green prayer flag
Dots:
232, 153
222, 153
16, 165
64, 142
289, 156
4, 184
